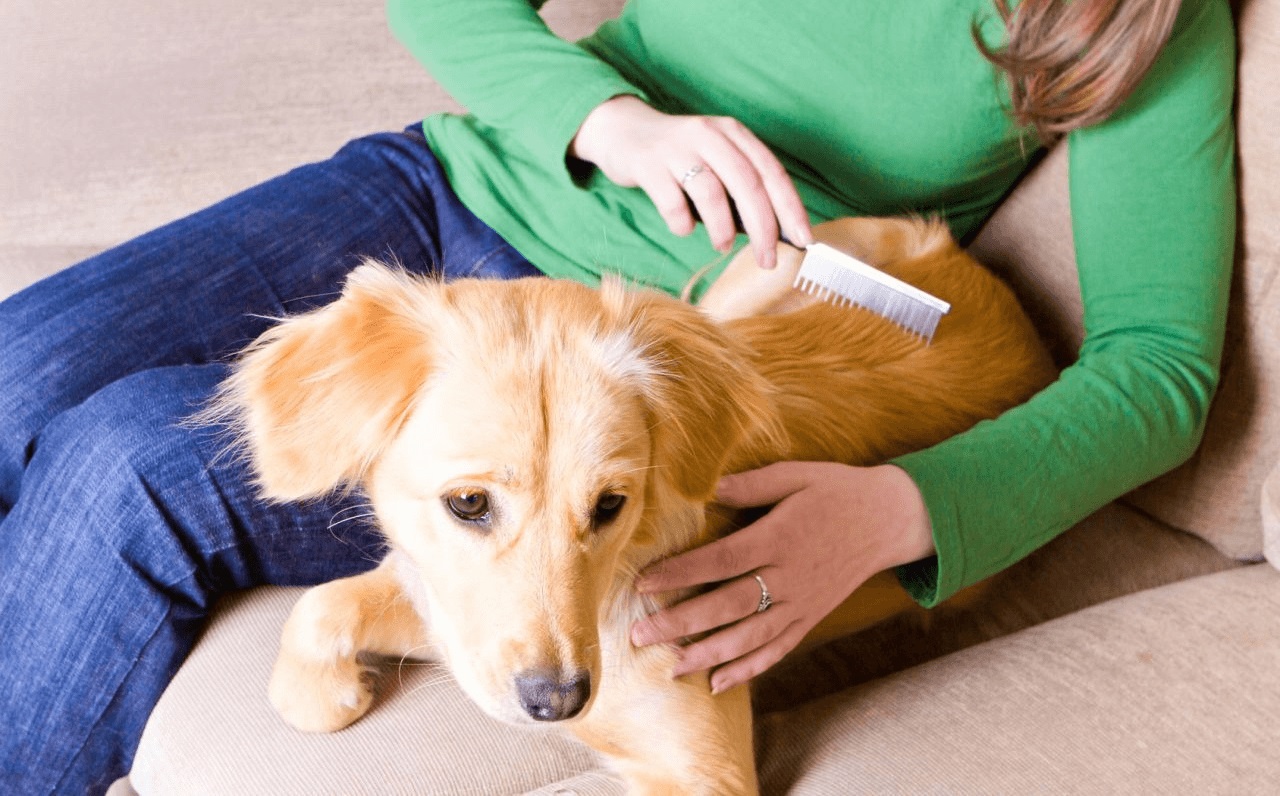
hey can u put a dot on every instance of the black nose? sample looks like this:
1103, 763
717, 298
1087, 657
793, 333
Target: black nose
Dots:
546, 697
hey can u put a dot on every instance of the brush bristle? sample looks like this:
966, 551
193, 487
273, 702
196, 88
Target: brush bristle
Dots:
842, 280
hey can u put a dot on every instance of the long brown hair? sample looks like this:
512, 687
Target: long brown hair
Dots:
1071, 63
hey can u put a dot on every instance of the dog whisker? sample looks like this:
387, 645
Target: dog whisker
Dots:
336, 522
431, 683
363, 506
404, 659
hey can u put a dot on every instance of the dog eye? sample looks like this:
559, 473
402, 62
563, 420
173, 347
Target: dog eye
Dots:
607, 507
469, 505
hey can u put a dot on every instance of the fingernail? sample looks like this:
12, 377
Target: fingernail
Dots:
722, 487
644, 585
801, 238
681, 667
638, 635
717, 686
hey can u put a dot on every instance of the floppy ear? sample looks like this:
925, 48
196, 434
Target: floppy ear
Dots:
317, 397
706, 398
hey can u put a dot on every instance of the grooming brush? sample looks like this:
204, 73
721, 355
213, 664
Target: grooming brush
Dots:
842, 279
838, 278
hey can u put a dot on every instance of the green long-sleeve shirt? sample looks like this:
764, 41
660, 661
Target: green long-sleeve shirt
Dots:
880, 108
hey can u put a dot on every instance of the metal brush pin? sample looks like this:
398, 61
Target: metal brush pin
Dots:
837, 278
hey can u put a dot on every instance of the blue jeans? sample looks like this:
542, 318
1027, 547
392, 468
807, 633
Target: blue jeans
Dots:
119, 528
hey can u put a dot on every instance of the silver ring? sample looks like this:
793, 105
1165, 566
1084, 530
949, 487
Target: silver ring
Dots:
693, 171
766, 599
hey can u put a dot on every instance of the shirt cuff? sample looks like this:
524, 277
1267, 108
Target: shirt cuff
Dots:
934, 579
549, 143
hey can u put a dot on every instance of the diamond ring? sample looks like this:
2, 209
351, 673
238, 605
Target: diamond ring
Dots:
693, 171
766, 599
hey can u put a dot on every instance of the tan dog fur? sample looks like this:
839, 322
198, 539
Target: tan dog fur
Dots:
548, 394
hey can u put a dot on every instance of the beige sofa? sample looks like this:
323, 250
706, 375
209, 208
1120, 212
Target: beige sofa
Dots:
1139, 652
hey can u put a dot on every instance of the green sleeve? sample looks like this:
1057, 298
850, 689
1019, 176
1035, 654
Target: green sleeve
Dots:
1153, 211
499, 59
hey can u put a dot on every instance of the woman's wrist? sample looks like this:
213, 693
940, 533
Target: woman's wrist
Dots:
912, 536
594, 127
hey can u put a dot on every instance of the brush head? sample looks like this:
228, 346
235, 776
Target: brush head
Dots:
838, 278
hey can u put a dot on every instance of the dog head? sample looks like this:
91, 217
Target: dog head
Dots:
527, 446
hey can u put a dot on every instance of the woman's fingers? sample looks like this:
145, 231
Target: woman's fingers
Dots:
741, 173
713, 162
758, 659
736, 554
783, 198
669, 199
732, 643
729, 603
702, 184
745, 184
765, 486
742, 551
752, 200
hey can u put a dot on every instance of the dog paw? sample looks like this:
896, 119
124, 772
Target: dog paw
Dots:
316, 696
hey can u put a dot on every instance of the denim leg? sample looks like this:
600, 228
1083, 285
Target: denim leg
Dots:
199, 289
128, 527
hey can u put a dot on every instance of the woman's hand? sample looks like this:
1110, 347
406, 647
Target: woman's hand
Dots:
710, 159
833, 527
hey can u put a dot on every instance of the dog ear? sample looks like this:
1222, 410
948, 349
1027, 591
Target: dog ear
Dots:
706, 398
316, 398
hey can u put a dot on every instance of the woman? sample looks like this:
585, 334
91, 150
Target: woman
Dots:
119, 529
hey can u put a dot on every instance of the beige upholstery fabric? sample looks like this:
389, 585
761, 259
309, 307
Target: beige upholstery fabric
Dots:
1028, 243
1140, 695
215, 733
1271, 516
118, 117
122, 787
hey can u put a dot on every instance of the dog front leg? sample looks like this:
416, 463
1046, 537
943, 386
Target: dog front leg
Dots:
318, 685
670, 737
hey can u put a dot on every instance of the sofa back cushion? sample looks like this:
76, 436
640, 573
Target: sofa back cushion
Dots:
1218, 493
1271, 517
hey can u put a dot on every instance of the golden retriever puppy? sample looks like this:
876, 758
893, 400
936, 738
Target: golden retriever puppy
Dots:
529, 446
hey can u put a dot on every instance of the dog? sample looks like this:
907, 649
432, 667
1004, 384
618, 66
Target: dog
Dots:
528, 446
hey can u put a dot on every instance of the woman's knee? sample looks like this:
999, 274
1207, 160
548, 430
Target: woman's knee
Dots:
129, 472
121, 475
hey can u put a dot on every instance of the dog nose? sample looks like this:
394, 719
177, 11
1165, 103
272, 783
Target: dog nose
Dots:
546, 697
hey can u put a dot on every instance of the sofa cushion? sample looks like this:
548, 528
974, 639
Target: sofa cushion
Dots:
1028, 243
1166, 691
214, 732
1216, 493
1271, 516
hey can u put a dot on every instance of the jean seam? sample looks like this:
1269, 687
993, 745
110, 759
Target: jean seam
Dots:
484, 259
114, 693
